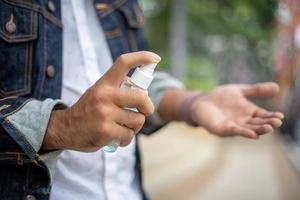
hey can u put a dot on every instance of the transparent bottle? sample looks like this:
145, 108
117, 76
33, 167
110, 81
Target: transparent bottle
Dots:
140, 79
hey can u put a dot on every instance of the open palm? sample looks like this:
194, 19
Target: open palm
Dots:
226, 111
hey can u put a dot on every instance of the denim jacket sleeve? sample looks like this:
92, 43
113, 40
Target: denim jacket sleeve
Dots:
161, 82
25, 121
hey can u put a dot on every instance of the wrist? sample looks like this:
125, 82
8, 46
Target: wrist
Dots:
52, 139
188, 109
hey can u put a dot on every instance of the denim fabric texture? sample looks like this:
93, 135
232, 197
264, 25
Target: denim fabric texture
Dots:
31, 68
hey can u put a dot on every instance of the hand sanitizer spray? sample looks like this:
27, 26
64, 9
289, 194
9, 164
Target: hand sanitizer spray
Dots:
141, 79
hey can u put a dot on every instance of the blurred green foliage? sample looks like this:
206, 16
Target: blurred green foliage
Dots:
249, 19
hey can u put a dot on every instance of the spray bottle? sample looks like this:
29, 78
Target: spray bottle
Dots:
141, 79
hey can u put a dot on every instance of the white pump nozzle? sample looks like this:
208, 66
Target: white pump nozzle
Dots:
143, 76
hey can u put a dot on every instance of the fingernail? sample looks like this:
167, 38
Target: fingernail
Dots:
156, 58
281, 115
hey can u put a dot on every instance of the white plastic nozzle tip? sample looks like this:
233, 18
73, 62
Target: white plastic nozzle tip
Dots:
143, 76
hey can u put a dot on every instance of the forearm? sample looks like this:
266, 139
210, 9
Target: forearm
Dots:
170, 104
179, 105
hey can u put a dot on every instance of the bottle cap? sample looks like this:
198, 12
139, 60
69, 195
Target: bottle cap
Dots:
143, 76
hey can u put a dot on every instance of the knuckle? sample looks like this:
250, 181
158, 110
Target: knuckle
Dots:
127, 137
146, 54
103, 111
105, 92
151, 108
97, 94
139, 123
104, 128
122, 59
140, 119
141, 97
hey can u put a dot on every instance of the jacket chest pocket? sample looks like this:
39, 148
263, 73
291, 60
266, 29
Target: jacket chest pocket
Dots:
121, 21
18, 30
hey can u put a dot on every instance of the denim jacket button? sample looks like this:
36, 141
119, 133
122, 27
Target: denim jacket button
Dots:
10, 25
51, 6
30, 197
50, 71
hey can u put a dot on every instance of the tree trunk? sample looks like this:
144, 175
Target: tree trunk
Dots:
178, 39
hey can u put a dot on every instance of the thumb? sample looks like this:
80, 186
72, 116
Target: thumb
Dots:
260, 89
115, 75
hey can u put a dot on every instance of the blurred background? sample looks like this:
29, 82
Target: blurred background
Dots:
210, 42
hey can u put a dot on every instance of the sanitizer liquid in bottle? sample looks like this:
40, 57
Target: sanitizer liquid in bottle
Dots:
141, 79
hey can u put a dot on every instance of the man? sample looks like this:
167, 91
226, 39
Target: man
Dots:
41, 61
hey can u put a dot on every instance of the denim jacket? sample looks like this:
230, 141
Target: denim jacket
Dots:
31, 74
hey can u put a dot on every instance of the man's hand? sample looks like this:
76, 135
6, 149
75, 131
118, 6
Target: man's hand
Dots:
98, 117
226, 111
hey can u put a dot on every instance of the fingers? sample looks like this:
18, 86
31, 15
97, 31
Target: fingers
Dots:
123, 134
234, 130
129, 119
127, 123
264, 121
274, 122
260, 89
248, 130
253, 127
264, 113
260, 129
125, 62
135, 98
